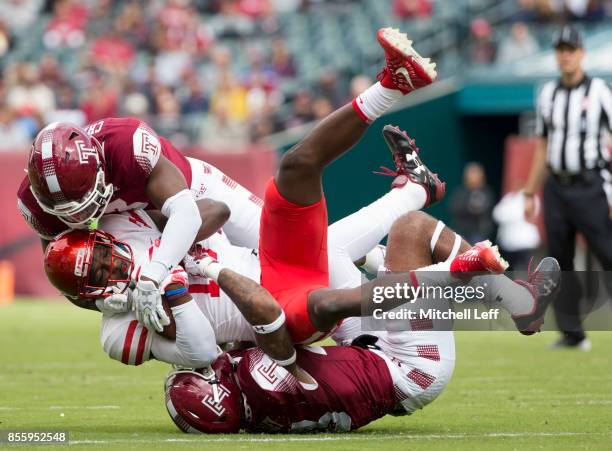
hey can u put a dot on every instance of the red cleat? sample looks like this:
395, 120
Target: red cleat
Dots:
406, 70
482, 257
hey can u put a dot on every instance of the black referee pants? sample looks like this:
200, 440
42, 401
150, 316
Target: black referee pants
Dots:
569, 208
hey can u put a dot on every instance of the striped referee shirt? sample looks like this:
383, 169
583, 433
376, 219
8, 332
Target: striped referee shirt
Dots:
576, 122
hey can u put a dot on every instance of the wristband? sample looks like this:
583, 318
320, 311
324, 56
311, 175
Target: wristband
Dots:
173, 295
290, 361
272, 327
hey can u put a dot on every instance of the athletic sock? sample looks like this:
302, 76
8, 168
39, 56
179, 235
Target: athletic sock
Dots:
375, 101
514, 298
360, 232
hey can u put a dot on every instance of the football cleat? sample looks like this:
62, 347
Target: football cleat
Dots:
406, 70
543, 284
408, 165
482, 257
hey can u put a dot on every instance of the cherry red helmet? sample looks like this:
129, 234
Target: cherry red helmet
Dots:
66, 172
207, 401
88, 264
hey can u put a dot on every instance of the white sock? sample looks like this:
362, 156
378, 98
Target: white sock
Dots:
375, 101
499, 289
360, 232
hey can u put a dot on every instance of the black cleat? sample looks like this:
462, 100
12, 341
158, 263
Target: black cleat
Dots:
408, 165
543, 284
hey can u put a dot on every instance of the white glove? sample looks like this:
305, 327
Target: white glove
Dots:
147, 304
115, 303
190, 266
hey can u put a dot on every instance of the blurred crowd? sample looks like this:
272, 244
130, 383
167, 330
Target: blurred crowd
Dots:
215, 73
487, 47
165, 61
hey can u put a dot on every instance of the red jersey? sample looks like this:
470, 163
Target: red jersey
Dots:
354, 387
131, 150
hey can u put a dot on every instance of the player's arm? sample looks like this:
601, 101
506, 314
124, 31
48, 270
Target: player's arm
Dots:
190, 340
259, 308
167, 190
214, 215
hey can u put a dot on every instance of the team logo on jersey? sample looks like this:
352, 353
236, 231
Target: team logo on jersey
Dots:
268, 372
85, 152
215, 405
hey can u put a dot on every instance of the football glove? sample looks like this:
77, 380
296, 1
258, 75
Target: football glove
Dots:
115, 303
147, 303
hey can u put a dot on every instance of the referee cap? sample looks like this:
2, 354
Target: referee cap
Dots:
569, 35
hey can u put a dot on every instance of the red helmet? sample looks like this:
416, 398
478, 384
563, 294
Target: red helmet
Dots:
88, 264
206, 400
66, 172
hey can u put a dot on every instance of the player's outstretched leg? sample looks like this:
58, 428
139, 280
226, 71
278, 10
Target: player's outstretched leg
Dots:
526, 301
299, 177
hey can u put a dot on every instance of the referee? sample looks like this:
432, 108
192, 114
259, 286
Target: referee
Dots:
573, 120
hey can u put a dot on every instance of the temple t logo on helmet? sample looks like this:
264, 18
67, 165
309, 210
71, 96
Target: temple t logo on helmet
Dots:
66, 173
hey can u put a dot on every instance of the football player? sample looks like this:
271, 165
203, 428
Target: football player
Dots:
77, 175
293, 233
387, 372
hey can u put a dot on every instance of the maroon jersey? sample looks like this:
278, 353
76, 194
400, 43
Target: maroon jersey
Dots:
354, 387
131, 150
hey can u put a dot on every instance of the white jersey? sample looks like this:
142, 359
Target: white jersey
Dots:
126, 340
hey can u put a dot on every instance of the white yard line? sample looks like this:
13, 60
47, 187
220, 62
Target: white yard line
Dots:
338, 438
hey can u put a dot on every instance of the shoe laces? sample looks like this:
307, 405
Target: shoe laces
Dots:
388, 172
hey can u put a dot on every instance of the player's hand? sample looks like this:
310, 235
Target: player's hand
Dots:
148, 306
203, 263
115, 303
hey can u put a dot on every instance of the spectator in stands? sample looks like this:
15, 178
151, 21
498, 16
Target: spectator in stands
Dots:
330, 88
20, 14
281, 61
322, 107
471, 205
301, 110
518, 45
99, 98
67, 26
6, 40
192, 97
230, 98
412, 9
359, 84
482, 48
27, 95
66, 109
223, 133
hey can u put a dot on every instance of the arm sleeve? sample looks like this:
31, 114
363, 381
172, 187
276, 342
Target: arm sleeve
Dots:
242, 228
128, 342
181, 229
195, 344
124, 340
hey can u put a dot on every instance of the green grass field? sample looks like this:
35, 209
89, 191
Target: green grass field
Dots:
508, 392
